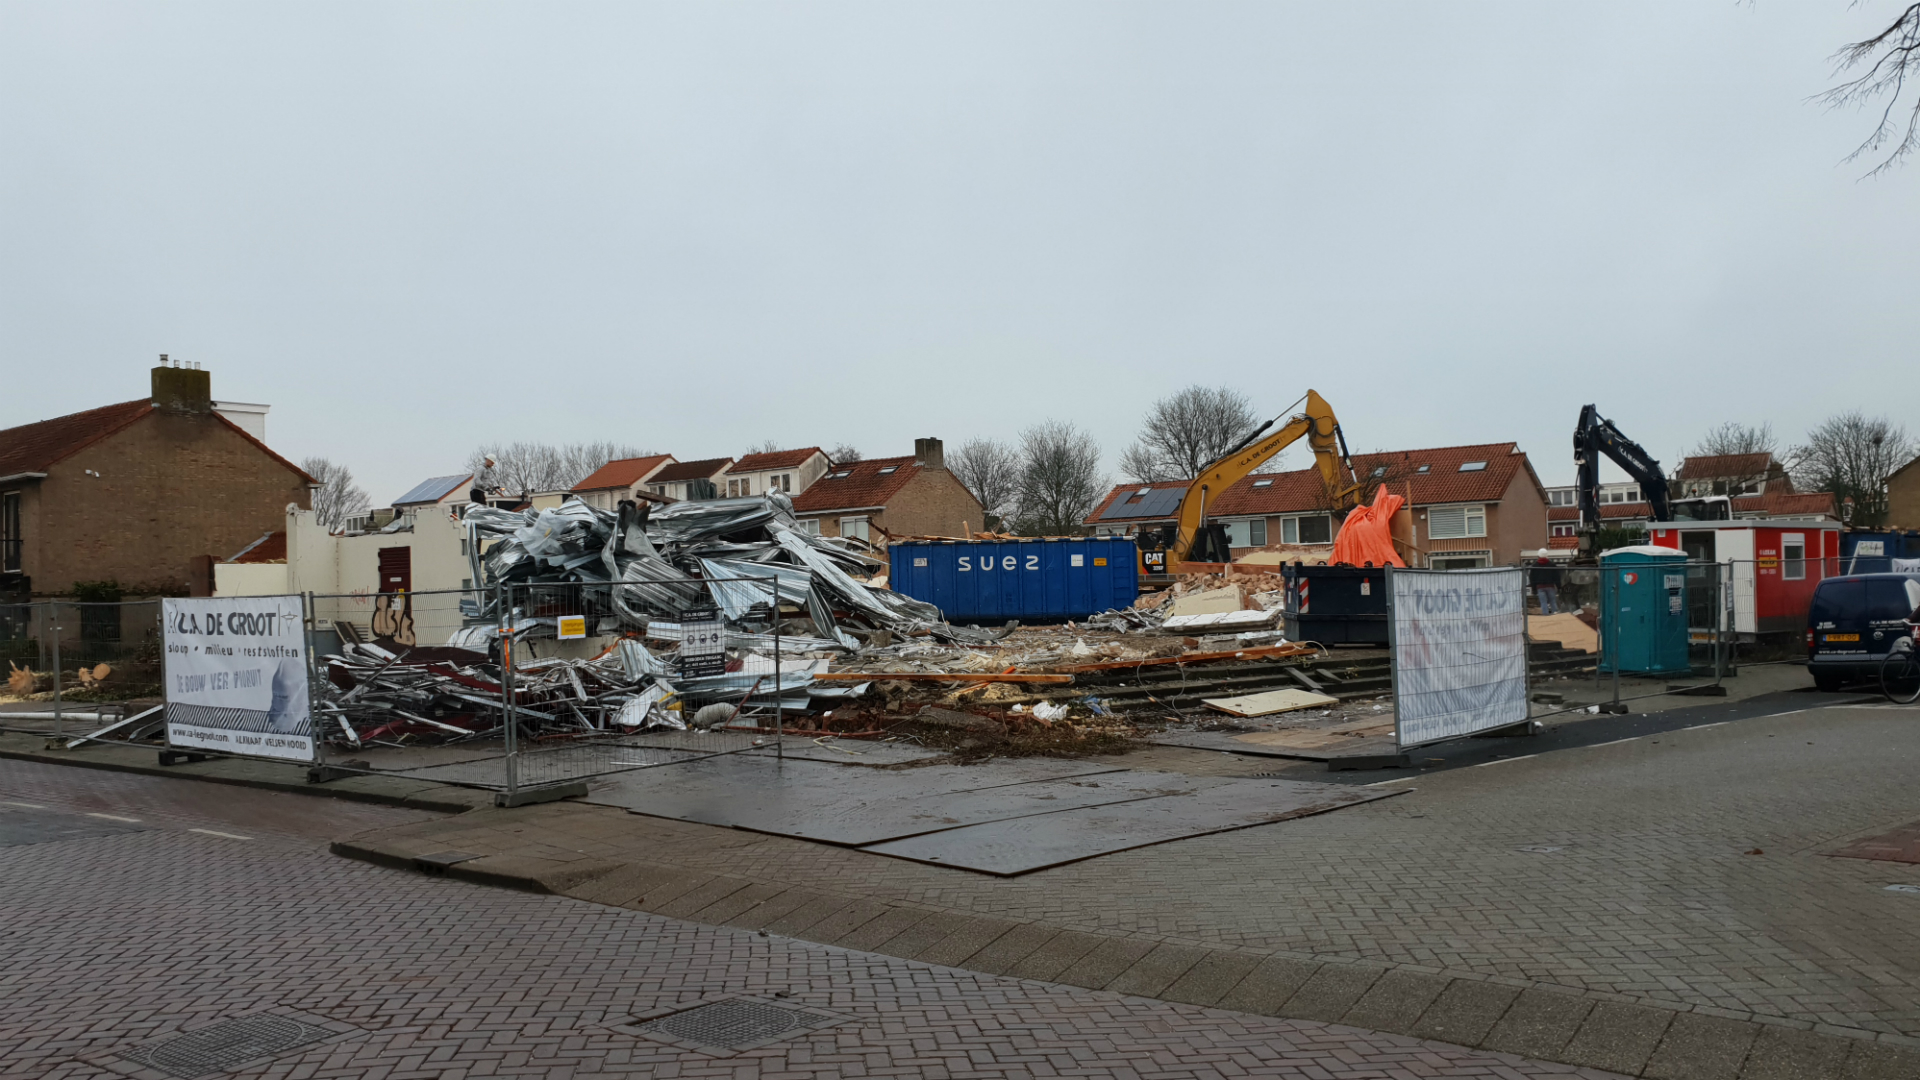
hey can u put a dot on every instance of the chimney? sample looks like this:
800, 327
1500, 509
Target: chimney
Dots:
182, 388
931, 453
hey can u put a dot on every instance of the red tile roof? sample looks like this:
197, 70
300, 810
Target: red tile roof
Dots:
31, 448
1126, 491
778, 459
1719, 465
1301, 491
1568, 542
864, 486
623, 473
691, 470
1607, 510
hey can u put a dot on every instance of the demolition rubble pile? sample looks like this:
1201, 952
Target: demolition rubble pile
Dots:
635, 577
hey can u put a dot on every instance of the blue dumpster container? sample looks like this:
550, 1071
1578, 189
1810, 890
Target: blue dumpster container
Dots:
1034, 581
1872, 551
1643, 610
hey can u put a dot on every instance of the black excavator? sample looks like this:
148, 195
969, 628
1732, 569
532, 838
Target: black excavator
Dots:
1595, 436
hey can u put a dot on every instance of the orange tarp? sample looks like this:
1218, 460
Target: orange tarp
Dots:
1367, 536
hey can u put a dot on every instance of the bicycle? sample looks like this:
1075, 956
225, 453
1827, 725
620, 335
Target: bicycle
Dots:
1900, 671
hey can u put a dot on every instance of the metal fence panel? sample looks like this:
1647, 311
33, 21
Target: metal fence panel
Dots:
1459, 652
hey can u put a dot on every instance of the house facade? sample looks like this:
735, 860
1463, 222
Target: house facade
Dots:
790, 472
622, 479
690, 479
872, 500
139, 492
1730, 474
1471, 506
1903, 496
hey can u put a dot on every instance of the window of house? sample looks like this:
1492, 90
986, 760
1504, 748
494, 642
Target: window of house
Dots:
786, 482
1456, 522
854, 528
1633, 494
10, 539
1263, 483
1317, 529
1473, 466
1251, 533
1459, 560
1424, 469
1378, 471
841, 475
1793, 556
810, 525
889, 469
1563, 530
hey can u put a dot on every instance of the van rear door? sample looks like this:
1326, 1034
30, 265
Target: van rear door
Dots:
1889, 601
1837, 620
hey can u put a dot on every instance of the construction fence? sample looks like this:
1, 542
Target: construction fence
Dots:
531, 685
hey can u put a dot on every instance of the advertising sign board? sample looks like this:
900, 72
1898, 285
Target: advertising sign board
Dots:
236, 676
1459, 643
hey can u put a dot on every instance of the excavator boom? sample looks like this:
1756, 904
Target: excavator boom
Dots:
1192, 540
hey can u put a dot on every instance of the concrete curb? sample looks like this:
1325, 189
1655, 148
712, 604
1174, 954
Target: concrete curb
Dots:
1544, 1022
386, 791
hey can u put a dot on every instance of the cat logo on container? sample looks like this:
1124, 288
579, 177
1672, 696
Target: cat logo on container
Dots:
572, 627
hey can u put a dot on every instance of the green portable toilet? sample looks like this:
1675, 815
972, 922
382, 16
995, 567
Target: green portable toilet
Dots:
1643, 610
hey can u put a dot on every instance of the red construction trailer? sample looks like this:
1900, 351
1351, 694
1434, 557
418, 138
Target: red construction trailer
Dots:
1777, 562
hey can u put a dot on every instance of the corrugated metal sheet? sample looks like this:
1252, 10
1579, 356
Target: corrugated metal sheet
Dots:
1030, 580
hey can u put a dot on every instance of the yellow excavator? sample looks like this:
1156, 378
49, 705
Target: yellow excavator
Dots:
1194, 539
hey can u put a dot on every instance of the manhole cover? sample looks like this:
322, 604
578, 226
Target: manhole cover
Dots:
227, 1044
734, 1025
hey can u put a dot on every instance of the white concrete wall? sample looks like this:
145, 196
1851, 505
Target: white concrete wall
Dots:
343, 572
250, 579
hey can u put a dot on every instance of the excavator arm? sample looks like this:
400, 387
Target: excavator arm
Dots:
1193, 540
1595, 435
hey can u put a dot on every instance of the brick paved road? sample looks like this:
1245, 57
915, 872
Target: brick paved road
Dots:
149, 929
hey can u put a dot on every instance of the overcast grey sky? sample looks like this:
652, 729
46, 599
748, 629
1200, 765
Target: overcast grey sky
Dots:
694, 227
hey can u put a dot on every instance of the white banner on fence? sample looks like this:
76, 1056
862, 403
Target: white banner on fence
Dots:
1459, 652
236, 673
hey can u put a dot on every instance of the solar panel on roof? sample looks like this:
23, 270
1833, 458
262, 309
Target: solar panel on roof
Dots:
1158, 503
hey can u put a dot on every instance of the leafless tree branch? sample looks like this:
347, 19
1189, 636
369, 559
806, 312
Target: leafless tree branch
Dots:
1883, 63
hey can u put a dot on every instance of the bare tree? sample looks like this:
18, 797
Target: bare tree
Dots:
523, 466
991, 470
338, 497
1882, 64
1060, 479
765, 446
844, 454
1852, 455
1183, 433
1734, 437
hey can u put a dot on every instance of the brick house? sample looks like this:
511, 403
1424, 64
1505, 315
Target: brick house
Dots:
1903, 496
1730, 474
902, 496
790, 472
1472, 506
691, 479
139, 492
623, 478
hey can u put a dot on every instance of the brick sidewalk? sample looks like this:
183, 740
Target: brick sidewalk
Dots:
1606, 891
115, 942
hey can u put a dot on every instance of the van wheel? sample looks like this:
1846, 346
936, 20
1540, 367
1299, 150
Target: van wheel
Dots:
1826, 682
